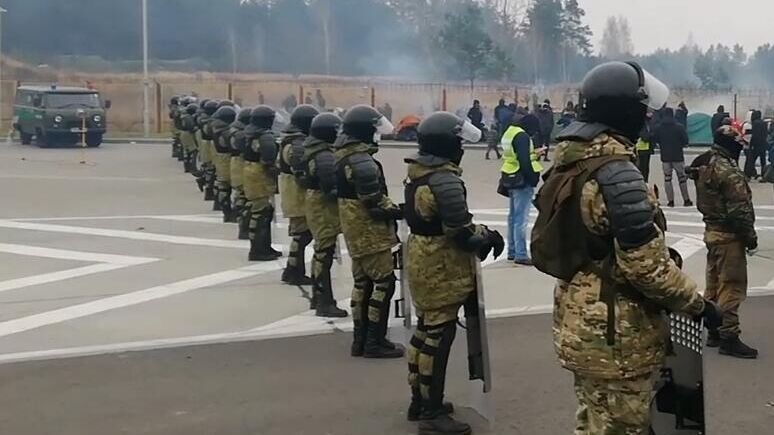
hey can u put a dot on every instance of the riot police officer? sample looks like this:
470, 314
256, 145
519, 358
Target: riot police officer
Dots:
318, 176
293, 195
237, 169
442, 248
368, 219
175, 110
207, 150
187, 133
259, 150
617, 277
220, 125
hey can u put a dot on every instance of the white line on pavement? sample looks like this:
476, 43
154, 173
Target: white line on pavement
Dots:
116, 217
78, 178
22, 324
66, 254
45, 278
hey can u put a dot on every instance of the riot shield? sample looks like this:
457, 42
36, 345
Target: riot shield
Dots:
479, 368
678, 408
403, 305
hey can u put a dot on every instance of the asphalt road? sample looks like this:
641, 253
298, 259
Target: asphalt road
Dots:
127, 307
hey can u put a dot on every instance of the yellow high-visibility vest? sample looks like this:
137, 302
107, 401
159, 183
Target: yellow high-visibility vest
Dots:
642, 145
510, 161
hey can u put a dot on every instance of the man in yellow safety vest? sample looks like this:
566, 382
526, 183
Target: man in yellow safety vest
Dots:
644, 147
520, 174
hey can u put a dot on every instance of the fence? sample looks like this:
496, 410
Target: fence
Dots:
125, 116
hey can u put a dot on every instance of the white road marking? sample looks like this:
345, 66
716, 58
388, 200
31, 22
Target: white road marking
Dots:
123, 234
116, 217
107, 262
80, 178
34, 321
45, 278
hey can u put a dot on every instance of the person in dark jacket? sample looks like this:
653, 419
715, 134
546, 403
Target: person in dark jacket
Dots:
758, 145
568, 115
681, 114
475, 116
545, 114
498, 110
718, 117
520, 174
672, 138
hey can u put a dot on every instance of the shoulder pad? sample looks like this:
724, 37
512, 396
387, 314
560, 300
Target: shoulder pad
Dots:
582, 131
628, 206
365, 174
450, 195
325, 164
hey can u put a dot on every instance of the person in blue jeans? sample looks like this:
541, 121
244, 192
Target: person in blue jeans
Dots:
520, 174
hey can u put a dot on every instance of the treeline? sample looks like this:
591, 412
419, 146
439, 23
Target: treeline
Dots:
537, 41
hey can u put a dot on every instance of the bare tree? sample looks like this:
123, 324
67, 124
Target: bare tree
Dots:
617, 39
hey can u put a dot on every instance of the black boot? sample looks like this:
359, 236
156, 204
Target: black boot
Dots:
244, 227
713, 338
358, 338
293, 276
209, 192
216, 204
296, 274
323, 289
200, 184
439, 423
375, 346
261, 239
266, 226
733, 346
417, 406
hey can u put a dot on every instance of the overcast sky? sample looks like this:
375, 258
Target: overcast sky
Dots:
668, 23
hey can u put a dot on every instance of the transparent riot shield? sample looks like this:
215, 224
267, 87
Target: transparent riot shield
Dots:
678, 408
479, 368
403, 305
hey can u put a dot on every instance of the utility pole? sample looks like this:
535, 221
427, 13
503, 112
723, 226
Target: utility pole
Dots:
2, 11
145, 80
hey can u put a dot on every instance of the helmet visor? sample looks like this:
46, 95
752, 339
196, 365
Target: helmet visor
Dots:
657, 92
469, 132
384, 126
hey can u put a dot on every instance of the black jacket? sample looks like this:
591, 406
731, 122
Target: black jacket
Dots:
681, 116
475, 116
671, 138
717, 121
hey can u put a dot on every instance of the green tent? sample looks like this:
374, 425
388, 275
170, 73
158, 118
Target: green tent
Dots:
699, 129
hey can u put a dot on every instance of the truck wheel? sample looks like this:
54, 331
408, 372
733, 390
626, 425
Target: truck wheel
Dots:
93, 141
26, 138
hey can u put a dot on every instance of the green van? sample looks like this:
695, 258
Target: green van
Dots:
58, 114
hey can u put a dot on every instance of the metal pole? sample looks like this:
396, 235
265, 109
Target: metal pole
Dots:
2, 11
146, 82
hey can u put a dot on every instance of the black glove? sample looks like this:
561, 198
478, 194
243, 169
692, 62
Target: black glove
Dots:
752, 243
712, 314
387, 215
492, 243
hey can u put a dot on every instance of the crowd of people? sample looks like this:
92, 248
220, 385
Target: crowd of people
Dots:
599, 230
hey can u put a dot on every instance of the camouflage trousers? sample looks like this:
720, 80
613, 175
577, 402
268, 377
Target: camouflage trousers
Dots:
222, 163
374, 285
613, 406
298, 230
322, 216
727, 282
428, 356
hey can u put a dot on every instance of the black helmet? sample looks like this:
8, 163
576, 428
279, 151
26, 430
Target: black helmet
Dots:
224, 103
203, 103
618, 95
210, 107
191, 109
226, 114
302, 117
174, 101
441, 135
262, 116
244, 115
364, 122
325, 127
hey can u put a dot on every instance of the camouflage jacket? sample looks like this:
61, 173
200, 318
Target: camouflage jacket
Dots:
724, 197
646, 275
364, 234
440, 273
292, 194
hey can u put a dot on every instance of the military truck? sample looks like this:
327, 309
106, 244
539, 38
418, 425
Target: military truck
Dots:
55, 115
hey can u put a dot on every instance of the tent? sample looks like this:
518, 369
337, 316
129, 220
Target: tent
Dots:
699, 129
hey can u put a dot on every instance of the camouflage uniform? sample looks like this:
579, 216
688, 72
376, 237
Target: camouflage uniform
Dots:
293, 196
368, 224
206, 154
187, 134
322, 215
725, 200
175, 112
259, 178
222, 160
237, 180
441, 274
613, 374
